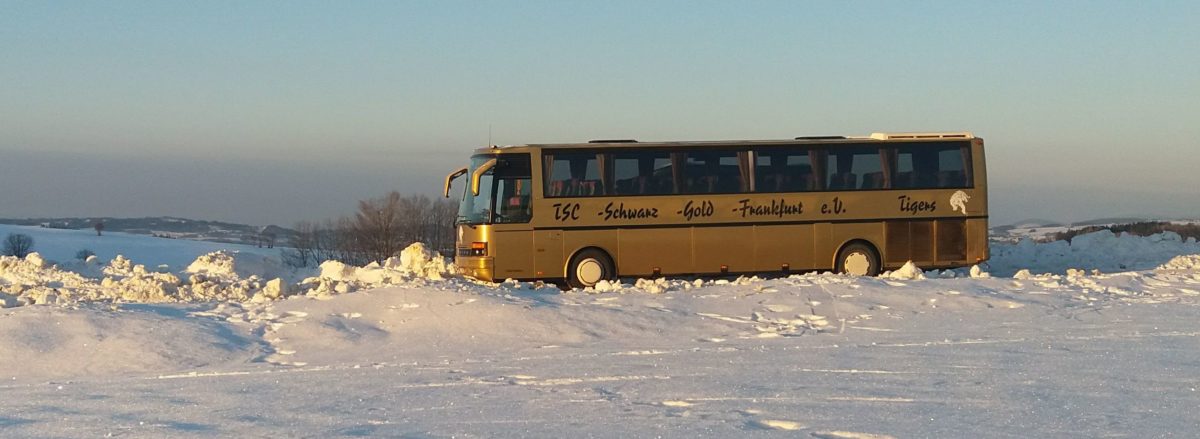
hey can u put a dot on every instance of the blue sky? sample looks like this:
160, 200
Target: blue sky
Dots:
272, 112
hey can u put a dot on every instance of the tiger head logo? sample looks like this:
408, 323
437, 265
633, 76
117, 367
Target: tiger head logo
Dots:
958, 201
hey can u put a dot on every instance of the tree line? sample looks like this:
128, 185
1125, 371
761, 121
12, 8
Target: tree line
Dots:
379, 229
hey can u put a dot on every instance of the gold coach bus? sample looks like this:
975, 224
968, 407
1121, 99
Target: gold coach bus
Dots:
587, 212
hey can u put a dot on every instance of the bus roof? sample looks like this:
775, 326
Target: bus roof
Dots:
629, 143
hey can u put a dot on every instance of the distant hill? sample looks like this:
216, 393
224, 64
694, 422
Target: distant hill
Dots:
1034, 222
169, 227
1107, 221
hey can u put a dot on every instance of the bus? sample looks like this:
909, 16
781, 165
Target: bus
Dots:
582, 213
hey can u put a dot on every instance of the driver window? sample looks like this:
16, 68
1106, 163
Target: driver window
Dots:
513, 200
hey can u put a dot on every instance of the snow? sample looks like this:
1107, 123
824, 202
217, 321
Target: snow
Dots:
61, 245
53, 342
977, 272
907, 272
217, 276
1185, 262
424, 262
1102, 250
416, 263
228, 265
1048, 339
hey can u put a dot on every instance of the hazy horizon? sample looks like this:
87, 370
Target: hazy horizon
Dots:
271, 113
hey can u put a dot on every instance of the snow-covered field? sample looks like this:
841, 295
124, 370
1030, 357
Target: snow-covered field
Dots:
61, 245
405, 350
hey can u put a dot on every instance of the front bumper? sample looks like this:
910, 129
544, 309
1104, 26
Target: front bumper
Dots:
478, 267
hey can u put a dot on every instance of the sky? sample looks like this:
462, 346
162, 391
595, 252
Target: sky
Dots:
276, 112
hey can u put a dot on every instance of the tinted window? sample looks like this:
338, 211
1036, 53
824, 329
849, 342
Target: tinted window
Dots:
855, 168
929, 166
573, 174
785, 170
642, 173
513, 189
714, 172
513, 200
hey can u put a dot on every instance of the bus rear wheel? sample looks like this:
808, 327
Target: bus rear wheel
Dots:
589, 267
858, 259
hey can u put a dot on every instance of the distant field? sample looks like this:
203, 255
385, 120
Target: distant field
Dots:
62, 245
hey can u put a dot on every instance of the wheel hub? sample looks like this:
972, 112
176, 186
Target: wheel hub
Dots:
857, 264
589, 272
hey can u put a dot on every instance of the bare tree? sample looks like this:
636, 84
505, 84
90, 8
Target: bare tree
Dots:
442, 228
415, 219
347, 242
301, 246
294, 257
378, 227
310, 245
18, 244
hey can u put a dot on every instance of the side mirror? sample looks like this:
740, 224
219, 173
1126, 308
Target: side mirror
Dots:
487, 166
451, 177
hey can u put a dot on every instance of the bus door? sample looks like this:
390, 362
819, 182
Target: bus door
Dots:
512, 212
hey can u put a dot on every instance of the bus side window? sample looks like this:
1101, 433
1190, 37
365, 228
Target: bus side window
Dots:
770, 172
801, 174
697, 177
840, 177
905, 177
953, 164
662, 178
913, 167
873, 180
930, 166
641, 173
842, 181
572, 174
784, 170
713, 172
847, 164
925, 162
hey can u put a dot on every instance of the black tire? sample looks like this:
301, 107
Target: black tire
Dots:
850, 260
589, 267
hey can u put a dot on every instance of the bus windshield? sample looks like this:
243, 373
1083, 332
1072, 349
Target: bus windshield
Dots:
504, 191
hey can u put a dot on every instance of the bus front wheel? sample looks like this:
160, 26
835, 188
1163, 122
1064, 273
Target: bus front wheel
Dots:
858, 259
589, 267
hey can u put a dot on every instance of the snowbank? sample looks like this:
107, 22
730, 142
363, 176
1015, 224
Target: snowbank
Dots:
40, 342
217, 276
1186, 262
664, 285
416, 263
1102, 250
252, 277
908, 272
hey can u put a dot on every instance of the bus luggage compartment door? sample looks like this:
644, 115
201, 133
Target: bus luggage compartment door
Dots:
723, 249
513, 251
548, 258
